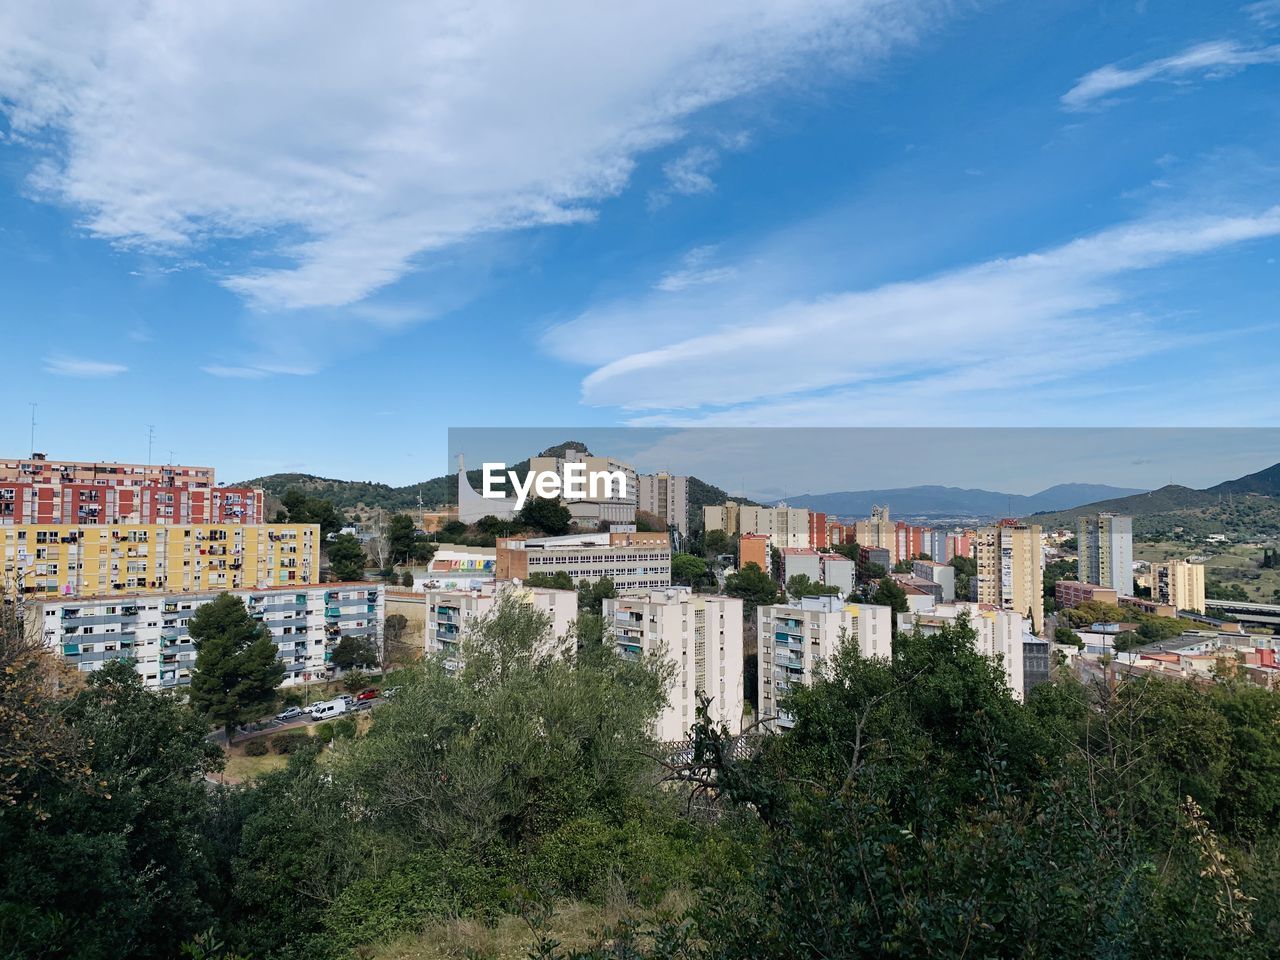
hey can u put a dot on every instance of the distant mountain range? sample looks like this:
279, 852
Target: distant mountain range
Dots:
1246, 504
956, 502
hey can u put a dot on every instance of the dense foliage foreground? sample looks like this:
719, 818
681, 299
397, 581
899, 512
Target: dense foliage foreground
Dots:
915, 810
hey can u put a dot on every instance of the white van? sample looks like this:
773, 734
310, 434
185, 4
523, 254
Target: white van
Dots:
328, 710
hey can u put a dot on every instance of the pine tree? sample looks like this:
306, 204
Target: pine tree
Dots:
237, 670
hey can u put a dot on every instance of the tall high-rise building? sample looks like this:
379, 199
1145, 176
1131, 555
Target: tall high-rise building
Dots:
724, 517
1106, 551
665, 496
1179, 583
878, 531
784, 526
701, 637
1011, 569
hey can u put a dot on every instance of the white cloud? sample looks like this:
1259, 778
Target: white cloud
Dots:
1264, 12
690, 172
254, 372
78, 367
348, 141
919, 347
1214, 59
697, 268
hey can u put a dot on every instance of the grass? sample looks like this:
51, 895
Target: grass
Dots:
574, 925
240, 767
1229, 563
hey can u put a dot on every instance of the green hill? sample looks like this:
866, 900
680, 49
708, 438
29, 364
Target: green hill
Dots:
1245, 508
364, 496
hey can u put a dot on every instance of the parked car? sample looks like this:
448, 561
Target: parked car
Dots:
312, 707
348, 699
370, 693
290, 713
329, 709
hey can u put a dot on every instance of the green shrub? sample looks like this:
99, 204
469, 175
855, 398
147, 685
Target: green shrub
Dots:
324, 732
289, 741
345, 728
291, 699
256, 748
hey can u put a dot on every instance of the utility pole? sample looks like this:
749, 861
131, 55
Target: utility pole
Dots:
33, 406
151, 439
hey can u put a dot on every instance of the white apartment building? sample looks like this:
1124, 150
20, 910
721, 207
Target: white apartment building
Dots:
795, 637
306, 624
786, 527
698, 633
1000, 633
447, 613
943, 574
665, 496
635, 562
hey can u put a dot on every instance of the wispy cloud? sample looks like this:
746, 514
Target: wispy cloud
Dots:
977, 332
697, 268
79, 367
1214, 59
1264, 12
365, 139
233, 372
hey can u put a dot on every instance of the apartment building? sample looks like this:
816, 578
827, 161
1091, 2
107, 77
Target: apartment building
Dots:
878, 532
446, 613
725, 517
666, 497
1072, 593
801, 561
635, 562
1106, 551
999, 633
794, 638
701, 637
840, 572
784, 526
942, 574
1010, 564
1179, 583
754, 548
306, 624
64, 560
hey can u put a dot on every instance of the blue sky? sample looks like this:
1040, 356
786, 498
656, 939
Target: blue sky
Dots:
315, 239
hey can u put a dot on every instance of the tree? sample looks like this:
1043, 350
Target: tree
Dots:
301, 508
560, 580
406, 579
716, 543
687, 569
591, 596
754, 586
355, 680
1217, 590
903, 566
801, 586
237, 670
346, 558
1065, 635
550, 517
395, 632
649, 522
889, 593
353, 652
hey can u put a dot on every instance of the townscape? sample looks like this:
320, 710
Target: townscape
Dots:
284, 632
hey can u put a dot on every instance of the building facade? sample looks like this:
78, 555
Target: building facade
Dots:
701, 638
1106, 551
306, 623
943, 574
998, 634
754, 548
794, 638
1179, 583
666, 497
448, 612
1072, 593
1010, 563
589, 513
635, 562
786, 527
65, 560
725, 517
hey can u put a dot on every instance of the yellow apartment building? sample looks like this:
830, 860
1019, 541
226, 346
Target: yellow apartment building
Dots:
46, 561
